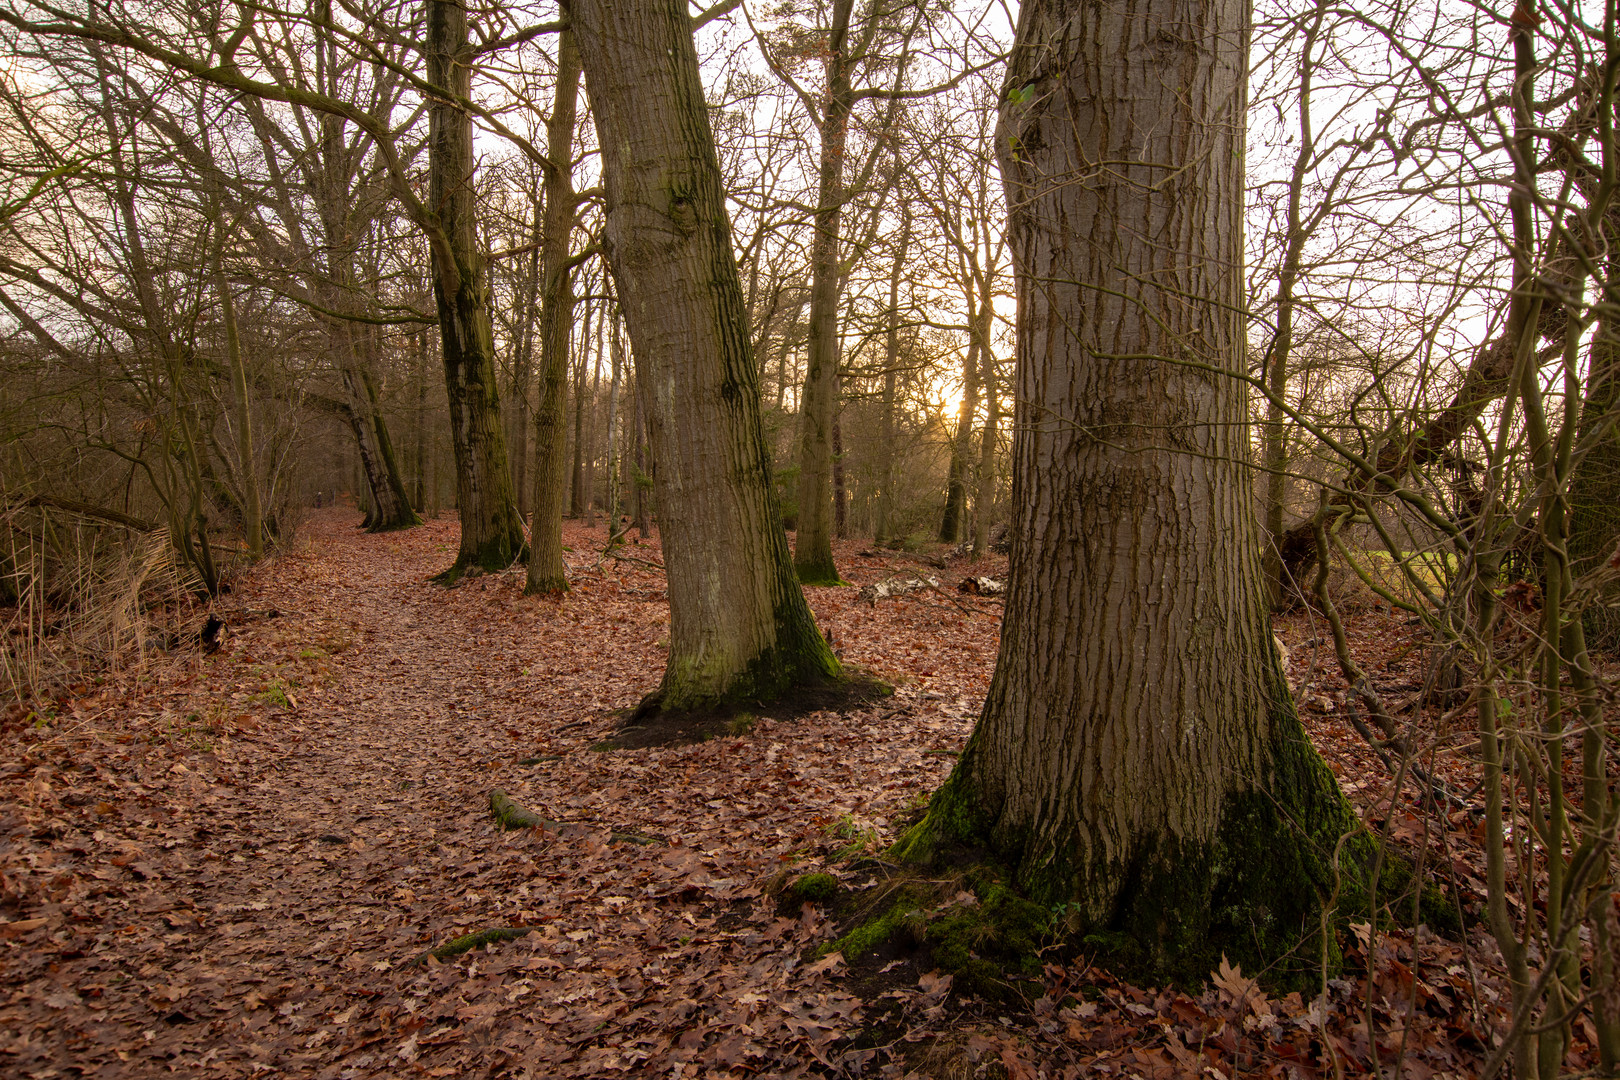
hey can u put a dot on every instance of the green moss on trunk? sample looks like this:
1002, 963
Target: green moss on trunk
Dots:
817, 571
1281, 856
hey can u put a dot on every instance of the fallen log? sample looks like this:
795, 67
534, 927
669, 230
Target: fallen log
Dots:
982, 586
899, 585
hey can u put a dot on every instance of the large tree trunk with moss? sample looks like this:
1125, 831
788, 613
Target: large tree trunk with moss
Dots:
818, 405
1138, 758
491, 530
739, 624
546, 572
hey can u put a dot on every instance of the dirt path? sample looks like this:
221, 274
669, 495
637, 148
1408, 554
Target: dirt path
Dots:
223, 867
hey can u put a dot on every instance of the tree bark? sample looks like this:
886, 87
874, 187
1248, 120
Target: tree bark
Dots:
491, 531
611, 498
247, 464
884, 513
546, 572
388, 507
818, 404
739, 625
984, 501
950, 525
527, 297
576, 487
1138, 759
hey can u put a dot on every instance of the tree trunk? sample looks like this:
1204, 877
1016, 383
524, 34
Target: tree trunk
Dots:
388, 507
891, 363
248, 469
419, 428
950, 524
491, 531
1275, 447
643, 477
812, 550
527, 297
546, 572
1138, 758
616, 349
840, 493
1594, 490
739, 625
593, 349
984, 501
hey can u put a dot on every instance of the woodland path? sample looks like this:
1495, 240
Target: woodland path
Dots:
221, 866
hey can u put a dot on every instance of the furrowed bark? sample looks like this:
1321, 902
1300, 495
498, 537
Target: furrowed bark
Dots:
739, 625
1138, 759
546, 572
491, 531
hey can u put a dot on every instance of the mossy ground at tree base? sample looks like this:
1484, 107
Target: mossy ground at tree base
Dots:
492, 560
396, 527
650, 724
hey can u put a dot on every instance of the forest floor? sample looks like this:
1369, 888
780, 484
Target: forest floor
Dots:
225, 865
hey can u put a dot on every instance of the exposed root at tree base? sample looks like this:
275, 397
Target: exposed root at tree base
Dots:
650, 724
468, 566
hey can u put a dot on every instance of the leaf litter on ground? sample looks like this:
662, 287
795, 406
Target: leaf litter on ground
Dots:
236, 864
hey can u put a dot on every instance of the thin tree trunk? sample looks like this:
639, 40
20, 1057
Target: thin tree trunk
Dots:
739, 625
1138, 759
576, 500
419, 426
547, 573
950, 525
884, 523
491, 530
643, 478
818, 404
523, 361
840, 494
595, 352
1275, 447
247, 464
984, 501
616, 347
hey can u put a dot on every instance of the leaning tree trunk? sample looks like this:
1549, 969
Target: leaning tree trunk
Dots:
491, 530
739, 624
546, 571
812, 546
1138, 759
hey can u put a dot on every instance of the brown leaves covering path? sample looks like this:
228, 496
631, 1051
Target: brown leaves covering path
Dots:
224, 866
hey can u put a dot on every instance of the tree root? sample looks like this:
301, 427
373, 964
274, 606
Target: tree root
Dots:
469, 942
513, 815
